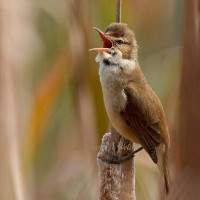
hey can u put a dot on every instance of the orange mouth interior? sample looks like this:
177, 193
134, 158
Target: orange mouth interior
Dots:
107, 43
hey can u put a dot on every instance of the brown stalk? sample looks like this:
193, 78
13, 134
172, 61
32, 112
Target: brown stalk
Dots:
118, 11
187, 185
117, 181
15, 26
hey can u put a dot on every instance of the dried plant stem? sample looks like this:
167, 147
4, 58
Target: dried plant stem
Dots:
9, 132
186, 185
117, 181
118, 11
15, 26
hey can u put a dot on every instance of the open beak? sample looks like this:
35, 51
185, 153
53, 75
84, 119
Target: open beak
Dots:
107, 43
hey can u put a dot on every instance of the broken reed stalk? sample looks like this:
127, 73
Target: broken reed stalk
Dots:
117, 181
118, 11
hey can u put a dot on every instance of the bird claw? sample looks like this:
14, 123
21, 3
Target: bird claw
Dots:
117, 159
120, 159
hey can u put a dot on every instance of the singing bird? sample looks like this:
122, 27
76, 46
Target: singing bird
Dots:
133, 108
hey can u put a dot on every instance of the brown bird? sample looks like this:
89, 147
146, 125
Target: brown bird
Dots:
133, 108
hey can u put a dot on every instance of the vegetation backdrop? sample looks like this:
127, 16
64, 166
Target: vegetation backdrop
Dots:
52, 111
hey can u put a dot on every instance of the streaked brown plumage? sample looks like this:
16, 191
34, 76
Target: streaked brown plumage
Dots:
133, 108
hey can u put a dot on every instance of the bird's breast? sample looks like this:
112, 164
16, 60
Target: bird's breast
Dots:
112, 86
115, 99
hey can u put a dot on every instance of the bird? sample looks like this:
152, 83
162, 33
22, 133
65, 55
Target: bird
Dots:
133, 108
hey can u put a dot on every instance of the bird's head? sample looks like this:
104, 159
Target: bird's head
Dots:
118, 43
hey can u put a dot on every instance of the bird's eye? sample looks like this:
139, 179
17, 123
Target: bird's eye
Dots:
119, 42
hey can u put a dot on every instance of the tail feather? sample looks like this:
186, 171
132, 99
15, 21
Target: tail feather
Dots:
163, 167
166, 178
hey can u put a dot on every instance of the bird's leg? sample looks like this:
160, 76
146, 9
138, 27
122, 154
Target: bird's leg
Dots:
121, 159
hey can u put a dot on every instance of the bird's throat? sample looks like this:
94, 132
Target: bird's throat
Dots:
106, 62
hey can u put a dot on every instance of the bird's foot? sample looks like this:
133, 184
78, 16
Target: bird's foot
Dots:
120, 159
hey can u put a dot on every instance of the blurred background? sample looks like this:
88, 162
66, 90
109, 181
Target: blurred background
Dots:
52, 112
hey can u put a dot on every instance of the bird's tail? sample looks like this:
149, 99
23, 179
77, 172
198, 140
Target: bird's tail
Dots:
166, 178
163, 167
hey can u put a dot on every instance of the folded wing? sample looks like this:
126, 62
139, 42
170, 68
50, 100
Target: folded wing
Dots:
146, 131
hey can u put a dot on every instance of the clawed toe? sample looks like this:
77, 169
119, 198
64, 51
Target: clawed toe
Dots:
120, 159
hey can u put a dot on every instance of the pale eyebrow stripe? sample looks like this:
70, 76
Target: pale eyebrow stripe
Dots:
127, 43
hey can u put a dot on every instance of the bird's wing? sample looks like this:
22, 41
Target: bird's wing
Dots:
145, 128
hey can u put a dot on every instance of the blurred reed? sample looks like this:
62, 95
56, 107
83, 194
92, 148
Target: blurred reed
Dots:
53, 115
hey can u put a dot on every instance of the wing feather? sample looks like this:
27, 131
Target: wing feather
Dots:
148, 134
